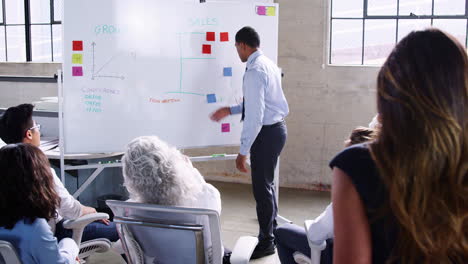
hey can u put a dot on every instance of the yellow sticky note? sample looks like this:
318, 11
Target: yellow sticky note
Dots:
77, 58
271, 11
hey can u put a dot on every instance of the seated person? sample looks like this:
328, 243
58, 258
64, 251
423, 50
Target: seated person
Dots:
157, 173
17, 126
27, 201
291, 238
403, 198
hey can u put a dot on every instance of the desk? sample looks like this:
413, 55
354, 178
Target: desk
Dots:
52, 151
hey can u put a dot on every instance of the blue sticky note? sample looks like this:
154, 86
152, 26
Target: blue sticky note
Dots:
227, 71
211, 98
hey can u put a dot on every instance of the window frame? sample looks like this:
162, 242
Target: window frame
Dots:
397, 17
28, 28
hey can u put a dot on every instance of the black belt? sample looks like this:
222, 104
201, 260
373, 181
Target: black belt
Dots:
275, 124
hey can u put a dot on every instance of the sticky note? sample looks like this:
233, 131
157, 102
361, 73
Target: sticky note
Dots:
271, 11
77, 71
224, 36
210, 36
211, 98
227, 71
77, 45
226, 127
206, 49
77, 58
261, 10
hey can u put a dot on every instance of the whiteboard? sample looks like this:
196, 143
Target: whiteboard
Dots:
152, 67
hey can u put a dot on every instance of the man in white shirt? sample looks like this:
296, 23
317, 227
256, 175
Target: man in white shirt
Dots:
17, 126
264, 132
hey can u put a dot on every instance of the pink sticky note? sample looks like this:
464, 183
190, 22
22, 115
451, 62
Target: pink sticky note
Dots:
261, 10
226, 127
77, 71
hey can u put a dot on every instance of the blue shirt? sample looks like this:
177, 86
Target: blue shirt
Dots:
264, 100
35, 243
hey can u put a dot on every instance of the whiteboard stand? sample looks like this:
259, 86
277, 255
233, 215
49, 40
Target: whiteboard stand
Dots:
99, 167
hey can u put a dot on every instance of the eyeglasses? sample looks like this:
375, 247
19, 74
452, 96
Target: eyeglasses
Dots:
38, 126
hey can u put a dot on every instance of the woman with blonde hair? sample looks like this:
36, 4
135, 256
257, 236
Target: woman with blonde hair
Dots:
404, 197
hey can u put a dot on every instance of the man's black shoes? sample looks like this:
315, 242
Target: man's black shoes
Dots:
262, 250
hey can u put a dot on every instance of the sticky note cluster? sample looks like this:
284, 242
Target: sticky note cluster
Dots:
211, 37
77, 57
266, 10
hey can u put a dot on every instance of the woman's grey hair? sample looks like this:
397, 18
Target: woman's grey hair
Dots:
157, 173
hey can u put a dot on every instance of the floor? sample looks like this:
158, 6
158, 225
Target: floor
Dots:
238, 217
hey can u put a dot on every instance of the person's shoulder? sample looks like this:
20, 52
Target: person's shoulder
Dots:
358, 152
210, 191
40, 225
356, 161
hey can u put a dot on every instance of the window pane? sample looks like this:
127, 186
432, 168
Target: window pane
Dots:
405, 26
456, 27
449, 7
379, 40
1, 13
14, 11
16, 43
41, 43
346, 41
347, 8
382, 7
40, 11
57, 42
417, 7
57, 10
2, 44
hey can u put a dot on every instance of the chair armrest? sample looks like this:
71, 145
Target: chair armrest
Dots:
80, 223
313, 245
243, 249
315, 250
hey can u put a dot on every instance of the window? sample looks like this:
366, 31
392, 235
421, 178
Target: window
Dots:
363, 32
30, 30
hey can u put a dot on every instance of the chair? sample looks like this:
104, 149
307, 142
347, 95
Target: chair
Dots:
88, 248
9, 255
315, 250
163, 234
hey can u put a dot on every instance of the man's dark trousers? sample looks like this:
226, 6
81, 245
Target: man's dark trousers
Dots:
264, 155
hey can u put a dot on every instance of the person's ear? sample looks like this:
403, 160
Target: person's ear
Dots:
28, 135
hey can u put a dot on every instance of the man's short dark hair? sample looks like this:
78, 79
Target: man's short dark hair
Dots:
248, 36
15, 122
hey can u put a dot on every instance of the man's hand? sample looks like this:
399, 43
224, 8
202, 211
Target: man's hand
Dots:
241, 162
87, 210
220, 114
90, 210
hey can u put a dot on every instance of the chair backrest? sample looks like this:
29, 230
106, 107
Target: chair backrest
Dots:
8, 253
164, 234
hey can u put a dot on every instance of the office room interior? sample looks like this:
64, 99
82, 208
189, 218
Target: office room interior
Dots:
102, 73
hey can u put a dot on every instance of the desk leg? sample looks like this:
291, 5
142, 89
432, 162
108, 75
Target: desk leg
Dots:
88, 182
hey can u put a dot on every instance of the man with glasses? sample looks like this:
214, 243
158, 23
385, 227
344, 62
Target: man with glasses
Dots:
17, 126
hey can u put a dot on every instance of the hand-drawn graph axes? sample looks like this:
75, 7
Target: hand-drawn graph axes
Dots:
95, 74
